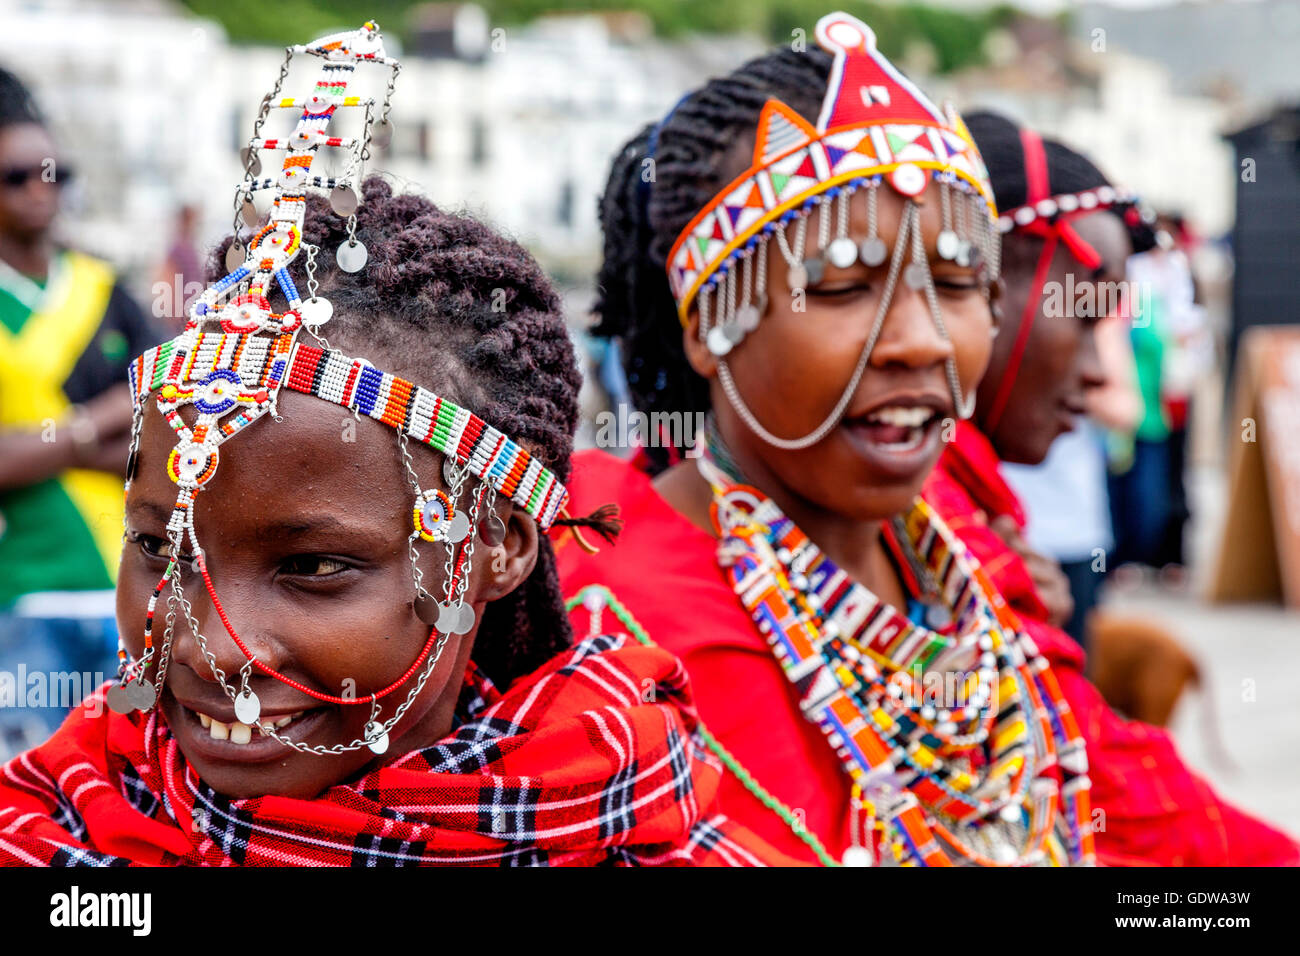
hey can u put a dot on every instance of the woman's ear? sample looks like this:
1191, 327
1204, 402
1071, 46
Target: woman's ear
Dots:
997, 294
702, 361
506, 566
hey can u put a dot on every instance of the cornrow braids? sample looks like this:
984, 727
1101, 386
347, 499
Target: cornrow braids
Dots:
704, 144
445, 298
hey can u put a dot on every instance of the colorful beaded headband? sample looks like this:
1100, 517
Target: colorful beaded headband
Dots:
874, 124
235, 355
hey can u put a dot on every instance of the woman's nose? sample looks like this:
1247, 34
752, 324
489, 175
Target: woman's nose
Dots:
909, 336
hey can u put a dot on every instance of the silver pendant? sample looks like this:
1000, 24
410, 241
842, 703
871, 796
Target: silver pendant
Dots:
117, 699
315, 312
247, 707
747, 317
427, 609
466, 622
718, 342
381, 134
344, 200
248, 212
948, 244
814, 269
376, 737
843, 252
448, 618
937, 616
255, 167
352, 255
733, 331
141, 694
492, 530
963, 257
458, 528
873, 251
914, 275
235, 256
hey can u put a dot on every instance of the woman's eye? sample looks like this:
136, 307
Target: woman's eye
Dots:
956, 285
312, 566
837, 292
157, 547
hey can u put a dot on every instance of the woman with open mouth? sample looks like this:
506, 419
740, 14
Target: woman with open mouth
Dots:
805, 249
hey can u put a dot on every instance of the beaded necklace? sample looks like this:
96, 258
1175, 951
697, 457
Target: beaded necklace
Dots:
970, 771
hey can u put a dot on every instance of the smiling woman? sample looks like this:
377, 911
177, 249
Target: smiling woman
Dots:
329, 568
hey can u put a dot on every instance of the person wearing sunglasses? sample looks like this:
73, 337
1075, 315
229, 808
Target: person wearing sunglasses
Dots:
67, 331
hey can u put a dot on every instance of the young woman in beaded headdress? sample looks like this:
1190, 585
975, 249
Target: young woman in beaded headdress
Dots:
804, 250
331, 565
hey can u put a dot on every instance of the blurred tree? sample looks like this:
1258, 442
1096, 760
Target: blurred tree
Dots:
957, 37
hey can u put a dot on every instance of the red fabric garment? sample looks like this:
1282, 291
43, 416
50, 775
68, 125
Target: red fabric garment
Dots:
1157, 811
664, 569
572, 766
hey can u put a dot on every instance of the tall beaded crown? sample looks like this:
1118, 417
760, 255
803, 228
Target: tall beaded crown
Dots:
874, 124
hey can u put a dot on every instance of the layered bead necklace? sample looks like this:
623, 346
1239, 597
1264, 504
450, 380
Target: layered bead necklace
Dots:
958, 741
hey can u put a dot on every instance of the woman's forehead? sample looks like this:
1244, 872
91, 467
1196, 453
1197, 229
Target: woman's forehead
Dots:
316, 451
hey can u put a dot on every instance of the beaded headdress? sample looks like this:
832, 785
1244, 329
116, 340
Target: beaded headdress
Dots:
874, 127
236, 354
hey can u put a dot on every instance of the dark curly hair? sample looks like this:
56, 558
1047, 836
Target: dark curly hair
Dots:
445, 298
16, 102
694, 152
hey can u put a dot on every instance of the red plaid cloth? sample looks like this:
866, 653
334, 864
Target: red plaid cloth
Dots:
1156, 810
571, 766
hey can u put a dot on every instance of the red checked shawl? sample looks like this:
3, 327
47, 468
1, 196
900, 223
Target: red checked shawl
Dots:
571, 766
1156, 811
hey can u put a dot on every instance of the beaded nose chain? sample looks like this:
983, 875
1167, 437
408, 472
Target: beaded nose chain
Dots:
875, 127
236, 354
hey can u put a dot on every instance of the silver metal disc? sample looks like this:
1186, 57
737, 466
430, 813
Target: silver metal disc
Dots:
458, 527
141, 694
256, 168
466, 622
718, 342
315, 312
376, 737
963, 256
352, 255
248, 212
235, 256
381, 134
842, 253
248, 708
448, 618
344, 200
947, 244
492, 530
914, 275
427, 609
118, 701
873, 251
747, 317
733, 330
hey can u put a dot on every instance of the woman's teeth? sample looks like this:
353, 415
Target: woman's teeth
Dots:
238, 732
909, 416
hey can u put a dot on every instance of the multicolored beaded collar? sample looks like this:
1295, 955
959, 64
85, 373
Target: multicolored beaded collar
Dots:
236, 354
959, 743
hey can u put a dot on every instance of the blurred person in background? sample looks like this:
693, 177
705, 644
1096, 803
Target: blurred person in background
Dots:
180, 276
67, 331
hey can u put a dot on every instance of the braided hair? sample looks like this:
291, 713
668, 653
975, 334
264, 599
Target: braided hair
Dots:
998, 140
659, 181
16, 102
445, 297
